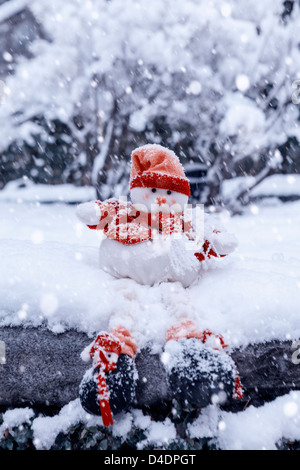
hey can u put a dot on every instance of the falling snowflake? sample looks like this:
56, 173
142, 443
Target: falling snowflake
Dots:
194, 88
242, 82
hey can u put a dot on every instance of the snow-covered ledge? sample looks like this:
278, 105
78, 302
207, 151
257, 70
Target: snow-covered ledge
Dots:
45, 369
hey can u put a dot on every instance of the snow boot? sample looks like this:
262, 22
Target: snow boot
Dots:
109, 386
199, 371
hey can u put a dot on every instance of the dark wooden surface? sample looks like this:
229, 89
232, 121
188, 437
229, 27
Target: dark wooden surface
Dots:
45, 369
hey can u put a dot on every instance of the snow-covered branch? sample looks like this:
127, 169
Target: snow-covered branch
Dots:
11, 8
101, 157
242, 192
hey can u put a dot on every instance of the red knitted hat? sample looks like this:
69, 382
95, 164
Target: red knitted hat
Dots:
154, 166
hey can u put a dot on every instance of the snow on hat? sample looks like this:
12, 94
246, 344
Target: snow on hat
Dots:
154, 166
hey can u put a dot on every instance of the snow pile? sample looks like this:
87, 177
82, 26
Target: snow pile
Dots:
206, 424
159, 433
252, 429
45, 429
261, 428
15, 418
24, 190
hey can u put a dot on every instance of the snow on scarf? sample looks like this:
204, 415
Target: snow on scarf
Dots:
123, 222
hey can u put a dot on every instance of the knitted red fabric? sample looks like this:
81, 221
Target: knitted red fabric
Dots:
129, 347
154, 166
103, 345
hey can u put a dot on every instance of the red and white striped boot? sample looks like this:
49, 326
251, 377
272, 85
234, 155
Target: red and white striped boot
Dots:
108, 387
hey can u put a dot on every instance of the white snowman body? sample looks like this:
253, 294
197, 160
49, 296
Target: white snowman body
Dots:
161, 259
158, 259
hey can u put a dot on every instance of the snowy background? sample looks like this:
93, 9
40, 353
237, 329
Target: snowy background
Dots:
83, 84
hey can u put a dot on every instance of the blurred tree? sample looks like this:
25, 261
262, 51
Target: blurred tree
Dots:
213, 81
18, 29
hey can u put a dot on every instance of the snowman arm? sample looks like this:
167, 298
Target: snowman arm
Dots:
96, 214
222, 242
217, 245
89, 213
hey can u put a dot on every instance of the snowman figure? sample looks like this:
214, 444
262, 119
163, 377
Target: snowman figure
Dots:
155, 239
